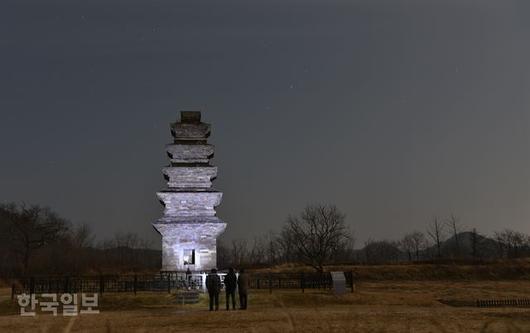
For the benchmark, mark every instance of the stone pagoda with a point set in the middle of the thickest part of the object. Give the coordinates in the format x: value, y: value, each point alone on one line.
x: 189, y: 227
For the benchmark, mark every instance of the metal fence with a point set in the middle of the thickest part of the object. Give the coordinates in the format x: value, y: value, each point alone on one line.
x: 488, y: 303
x: 166, y: 281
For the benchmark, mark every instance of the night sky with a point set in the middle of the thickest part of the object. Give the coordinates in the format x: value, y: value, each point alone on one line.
x: 395, y: 111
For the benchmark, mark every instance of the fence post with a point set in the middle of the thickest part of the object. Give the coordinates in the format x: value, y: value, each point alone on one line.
x: 134, y: 286
x: 302, y: 282
x: 352, y: 283
x: 101, y: 284
x: 12, y: 291
x: 31, y: 285
x: 66, y: 288
x: 257, y: 284
x: 169, y: 283
x: 270, y: 283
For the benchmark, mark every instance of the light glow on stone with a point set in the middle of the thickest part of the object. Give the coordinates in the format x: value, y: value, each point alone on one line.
x: 189, y: 221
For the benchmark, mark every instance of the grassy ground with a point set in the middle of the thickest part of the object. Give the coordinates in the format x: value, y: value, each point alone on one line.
x: 383, y: 306
x: 513, y: 269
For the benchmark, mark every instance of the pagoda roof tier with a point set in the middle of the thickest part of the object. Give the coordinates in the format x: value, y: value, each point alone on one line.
x: 189, y: 220
x: 186, y: 153
x: 197, y: 190
x: 190, y: 177
x: 181, y: 233
x: 190, y: 190
x: 190, y: 203
x: 190, y: 127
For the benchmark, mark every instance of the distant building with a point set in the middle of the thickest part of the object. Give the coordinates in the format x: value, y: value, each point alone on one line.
x: 189, y: 227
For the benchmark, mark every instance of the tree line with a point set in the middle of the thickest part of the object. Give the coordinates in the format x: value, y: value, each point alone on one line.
x: 36, y: 240
x: 318, y: 236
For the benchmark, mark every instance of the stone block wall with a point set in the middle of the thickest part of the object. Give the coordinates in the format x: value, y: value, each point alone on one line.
x: 189, y: 226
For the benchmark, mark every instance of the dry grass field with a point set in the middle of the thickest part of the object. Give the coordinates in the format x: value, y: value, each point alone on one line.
x: 382, y: 306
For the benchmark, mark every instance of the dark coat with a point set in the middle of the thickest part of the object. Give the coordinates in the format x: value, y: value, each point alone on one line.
x: 230, y: 282
x: 213, y: 283
x: 243, y: 283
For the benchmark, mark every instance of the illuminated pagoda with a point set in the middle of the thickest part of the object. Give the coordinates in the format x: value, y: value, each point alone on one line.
x: 189, y: 226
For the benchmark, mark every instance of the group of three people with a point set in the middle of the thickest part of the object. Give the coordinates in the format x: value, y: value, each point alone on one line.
x: 231, y: 282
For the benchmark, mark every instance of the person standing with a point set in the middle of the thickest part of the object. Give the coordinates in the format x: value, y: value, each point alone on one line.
x: 213, y: 284
x: 242, y: 286
x: 230, y: 288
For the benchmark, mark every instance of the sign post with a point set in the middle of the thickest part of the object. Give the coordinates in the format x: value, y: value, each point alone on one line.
x: 339, y: 283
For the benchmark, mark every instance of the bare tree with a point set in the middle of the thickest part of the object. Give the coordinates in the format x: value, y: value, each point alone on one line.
x: 31, y: 228
x: 239, y: 252
x: 285, y: 246
x: 419, y: 243
x: 272, y: 244
x: 127, y: 252
x: 258, y: 252
x: 453, y: 224
x: 406, y: 245
x: 346, y: 253
x: 126, y: 240
x: 436, y: 233
x: 317, y: 234
x: 78, y: 247
x: 382, y: 251
x: 474, y: 244
x: 82, y: 236
x: 513, y: 244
